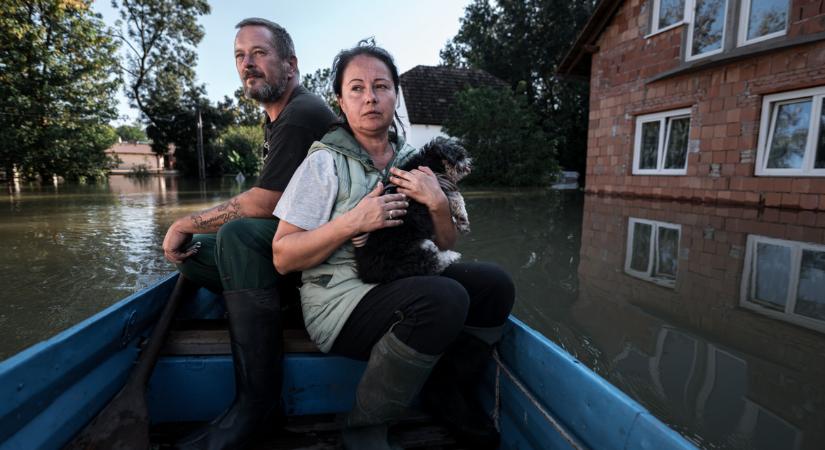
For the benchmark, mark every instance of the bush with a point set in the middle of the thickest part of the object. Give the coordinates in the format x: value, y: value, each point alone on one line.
x: 504, y: 137
x: 241, y: 147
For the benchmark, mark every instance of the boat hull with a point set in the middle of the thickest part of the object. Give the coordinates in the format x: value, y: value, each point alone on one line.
x: 539, y: 395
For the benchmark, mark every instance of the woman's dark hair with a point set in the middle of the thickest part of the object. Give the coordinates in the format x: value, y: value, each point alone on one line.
x: 365, y: 47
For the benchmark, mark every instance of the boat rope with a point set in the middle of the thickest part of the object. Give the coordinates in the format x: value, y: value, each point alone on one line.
x: 561, y: 429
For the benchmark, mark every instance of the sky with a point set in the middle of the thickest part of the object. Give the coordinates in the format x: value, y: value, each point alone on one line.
x: 413, y: 31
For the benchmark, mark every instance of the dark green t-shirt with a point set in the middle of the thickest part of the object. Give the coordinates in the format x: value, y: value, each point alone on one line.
x: 305, y: 120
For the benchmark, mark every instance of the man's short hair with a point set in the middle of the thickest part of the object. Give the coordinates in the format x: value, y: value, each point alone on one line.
x: 281, y: 40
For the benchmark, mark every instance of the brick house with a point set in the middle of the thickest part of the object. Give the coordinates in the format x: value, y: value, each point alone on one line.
x: 132, y: 156
x: 428, y: 92
x: 708, y: 100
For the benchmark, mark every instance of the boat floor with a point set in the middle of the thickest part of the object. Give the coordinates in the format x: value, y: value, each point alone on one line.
x: 323, y: 432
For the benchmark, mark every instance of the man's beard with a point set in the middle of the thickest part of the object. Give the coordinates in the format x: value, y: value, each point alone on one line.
x: 266, y: 92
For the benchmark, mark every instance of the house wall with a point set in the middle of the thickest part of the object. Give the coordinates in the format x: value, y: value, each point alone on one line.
x: 419, y: 135
x: 133, y: 155
x: 134, y: 160
x: 706, y: 296
x: 725, y: 102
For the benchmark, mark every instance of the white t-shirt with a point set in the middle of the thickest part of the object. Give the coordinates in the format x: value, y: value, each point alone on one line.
x: 308, y: 200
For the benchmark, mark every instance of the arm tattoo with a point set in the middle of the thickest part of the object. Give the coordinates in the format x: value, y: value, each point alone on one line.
x: 217, y: 216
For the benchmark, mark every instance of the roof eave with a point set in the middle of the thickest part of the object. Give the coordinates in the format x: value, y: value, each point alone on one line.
x: 577, y: 61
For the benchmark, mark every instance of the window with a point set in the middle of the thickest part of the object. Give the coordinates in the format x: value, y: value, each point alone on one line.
x: 667, y: 14
x: 785, y: 280
x: 706, y: 32
x: 653, y: 251
x: 759, y: 20
x: 661, y: 143
x: 762, y: 19
x: 792, y: 134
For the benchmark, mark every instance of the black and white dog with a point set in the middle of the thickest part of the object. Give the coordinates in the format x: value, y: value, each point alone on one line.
x: 408, y: 250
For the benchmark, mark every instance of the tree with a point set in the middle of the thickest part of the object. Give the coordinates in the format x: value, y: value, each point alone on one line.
x: 131, y: 133
x: 160, y: 38
x: 177, y: 124
x: 522, y: 42
x: 241, y: 147
x: 320, y: 84
x: 245, y: 112
x: 503, y: 136
x: 60, y: 94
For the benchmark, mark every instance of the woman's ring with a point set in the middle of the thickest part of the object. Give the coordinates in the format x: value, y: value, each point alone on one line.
x: 391, y: 211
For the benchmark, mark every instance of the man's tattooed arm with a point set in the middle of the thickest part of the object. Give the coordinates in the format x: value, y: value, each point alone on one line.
x: 212, y: 219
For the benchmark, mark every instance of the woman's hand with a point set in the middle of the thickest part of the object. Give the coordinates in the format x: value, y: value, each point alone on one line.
x: 420, y: 185
x: 376, y: 211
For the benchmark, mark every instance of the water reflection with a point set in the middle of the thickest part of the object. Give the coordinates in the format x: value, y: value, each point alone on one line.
x: 708, y: 316
x: 70, y: 251
x: 725, y: 350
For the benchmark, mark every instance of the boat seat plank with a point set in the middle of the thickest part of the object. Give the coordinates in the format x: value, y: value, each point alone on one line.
x: 216, y: 342
x: 323, y: 432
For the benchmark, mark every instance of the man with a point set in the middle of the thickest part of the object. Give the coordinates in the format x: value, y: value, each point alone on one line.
x: 231, y: 244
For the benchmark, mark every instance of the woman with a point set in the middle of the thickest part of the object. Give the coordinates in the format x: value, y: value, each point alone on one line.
x: 405, y: 326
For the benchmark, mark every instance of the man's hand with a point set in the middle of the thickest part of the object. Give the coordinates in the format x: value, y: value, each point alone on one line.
x: 255, y: 202
x: 174, y: 245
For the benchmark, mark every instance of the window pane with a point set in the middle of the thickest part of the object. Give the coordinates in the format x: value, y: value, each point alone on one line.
x: 773, y: 265
x: 677, y: 143
x: 708, y: 25
x: 667, y: 253
x: 650, y: 145
x: 819, y: 163
x: 670, y: 12
x: 787, y: 148
x: 810, y: 296
x: 640, y: 258
x: 766, y: 17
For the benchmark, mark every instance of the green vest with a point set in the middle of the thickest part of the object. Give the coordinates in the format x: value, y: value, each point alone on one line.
x: 332, y: 289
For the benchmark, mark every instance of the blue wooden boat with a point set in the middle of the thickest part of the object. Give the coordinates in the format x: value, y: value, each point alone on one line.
x: 540, y: 396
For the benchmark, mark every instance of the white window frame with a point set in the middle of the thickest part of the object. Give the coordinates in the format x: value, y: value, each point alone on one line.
x: 664, y: 135
x: 654, y: 22
x: 653, y: 260
x: 689, y: 56
x: 767, y: 122
x: 749, y: 281
x: 744, y: 16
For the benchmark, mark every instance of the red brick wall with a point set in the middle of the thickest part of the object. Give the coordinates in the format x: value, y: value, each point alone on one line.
x: 726, y: 104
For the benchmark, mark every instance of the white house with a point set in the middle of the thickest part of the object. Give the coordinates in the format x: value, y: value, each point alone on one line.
x: 428, y: 92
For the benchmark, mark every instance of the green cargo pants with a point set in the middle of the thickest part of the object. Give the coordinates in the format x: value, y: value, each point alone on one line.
x: 238, y: 256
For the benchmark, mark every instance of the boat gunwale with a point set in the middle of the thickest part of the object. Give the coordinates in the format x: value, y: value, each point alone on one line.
x: 34, y: 377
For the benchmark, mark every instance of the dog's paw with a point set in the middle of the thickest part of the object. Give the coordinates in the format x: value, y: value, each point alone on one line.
x: 441, y: 258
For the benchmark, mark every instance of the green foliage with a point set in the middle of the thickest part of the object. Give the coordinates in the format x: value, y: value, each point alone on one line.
x: 131, y: 133
x: 139, y: 171
x: 503, y: 136
x: 243, y: 110
x: 161, y: 37
x: 320, y: 84
x: 177, y: 125
x: 56, y: 89
x: 241, y: 145
x: 522, y: 42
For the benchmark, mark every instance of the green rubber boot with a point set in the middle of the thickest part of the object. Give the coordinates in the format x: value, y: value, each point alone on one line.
x: 393, y: 377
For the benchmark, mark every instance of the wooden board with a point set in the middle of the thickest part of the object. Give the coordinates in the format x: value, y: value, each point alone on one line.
x: 323, y: 432
x: 216, y: 342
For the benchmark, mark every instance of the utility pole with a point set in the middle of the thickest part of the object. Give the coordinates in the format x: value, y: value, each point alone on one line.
x: 201, y: 163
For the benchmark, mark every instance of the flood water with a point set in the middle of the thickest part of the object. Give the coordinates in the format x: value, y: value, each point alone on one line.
x: 711, y: 317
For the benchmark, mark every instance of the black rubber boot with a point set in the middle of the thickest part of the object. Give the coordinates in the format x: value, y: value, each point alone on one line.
x: 393, y: 377
x: 450, y: 394
x: 257, y: 353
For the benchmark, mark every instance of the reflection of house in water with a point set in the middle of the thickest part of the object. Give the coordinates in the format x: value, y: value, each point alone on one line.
x: 715, y: 316
x: 786, y: 280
